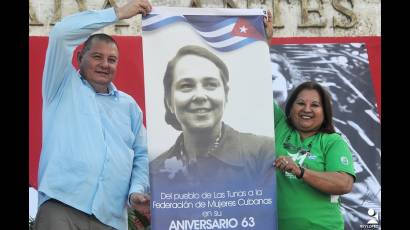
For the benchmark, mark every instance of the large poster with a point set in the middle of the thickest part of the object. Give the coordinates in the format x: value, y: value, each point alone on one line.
x: 344, y: 70
x: 209, y: 117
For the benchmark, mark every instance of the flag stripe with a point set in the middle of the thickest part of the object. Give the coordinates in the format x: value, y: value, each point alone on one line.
x: 219, y: 38
x: 235, y: 46
x: 164, y: 21
x: 150, y: 19
x: 219, y: 32
x: 210, y: 25
x: 226, y: 42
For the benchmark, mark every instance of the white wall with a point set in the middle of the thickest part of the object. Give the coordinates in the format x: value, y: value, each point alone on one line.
x: 367, y: 13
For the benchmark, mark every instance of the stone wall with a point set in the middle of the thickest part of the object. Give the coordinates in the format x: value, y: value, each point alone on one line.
x: 292, y: 18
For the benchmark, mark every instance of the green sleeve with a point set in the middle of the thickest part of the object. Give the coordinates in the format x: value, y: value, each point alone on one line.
x: 278, y: 113
x: 338, y: 156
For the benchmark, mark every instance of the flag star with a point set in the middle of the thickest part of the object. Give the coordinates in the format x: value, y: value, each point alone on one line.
x: 243, y: 29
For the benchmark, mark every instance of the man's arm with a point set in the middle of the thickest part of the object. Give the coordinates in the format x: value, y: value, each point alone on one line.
x: 139, y: 176
x: 71, y: 32
x: 133, y: 8
x: 64, y: 38
x: 138, y: 197
x: 139, y: 184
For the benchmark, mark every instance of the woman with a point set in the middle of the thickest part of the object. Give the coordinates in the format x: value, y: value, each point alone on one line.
x: 208, y: 151
x: 315, y: 164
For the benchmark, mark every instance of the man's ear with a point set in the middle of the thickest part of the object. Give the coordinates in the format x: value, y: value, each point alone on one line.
x: 79, y: 57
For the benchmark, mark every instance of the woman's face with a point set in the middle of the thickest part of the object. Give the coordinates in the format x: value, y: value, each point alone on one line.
x: 197, y: 93
x: 307, y: 112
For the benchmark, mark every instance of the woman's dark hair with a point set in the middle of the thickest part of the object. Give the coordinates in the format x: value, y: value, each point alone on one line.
x: 327, y: 125
x: 170, y: 118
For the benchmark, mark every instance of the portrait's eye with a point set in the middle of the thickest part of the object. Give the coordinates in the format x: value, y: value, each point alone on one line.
x: 185, y: 86
x: 211, y: 85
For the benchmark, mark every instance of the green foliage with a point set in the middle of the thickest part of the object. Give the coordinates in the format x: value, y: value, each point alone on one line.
x: 138, y: 221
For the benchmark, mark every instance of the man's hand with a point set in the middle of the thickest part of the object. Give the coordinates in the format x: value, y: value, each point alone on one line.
x: 141, y: 202
x: 268, y: 23
x: 132, y: 8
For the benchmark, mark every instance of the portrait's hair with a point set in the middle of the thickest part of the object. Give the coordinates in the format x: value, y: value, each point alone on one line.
x: 327, y: 125
x: 95, y: 37
x: 289, y: 71
x: 170, y: 118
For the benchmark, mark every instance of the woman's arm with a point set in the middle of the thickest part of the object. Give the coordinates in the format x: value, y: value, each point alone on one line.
x: 338, y: 175
x: 334, y: 183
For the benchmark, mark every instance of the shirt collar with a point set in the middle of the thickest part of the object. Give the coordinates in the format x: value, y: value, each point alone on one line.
x: 228, y: 150
x: 112, y: 90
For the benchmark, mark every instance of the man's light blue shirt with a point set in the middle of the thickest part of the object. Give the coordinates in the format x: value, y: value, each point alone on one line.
x: 94, y: 152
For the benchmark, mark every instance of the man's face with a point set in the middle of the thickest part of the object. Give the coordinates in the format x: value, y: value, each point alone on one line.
x: 198, y: 96
x: 99, y: 64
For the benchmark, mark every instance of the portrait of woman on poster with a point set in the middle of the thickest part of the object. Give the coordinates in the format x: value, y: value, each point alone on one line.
x: 207, y: 151
x: 314, y: 162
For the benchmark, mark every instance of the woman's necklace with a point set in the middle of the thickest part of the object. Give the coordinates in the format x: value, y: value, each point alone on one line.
x: 297, y: 149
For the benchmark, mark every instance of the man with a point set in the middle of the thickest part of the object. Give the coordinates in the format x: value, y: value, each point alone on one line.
x: 94, y: 156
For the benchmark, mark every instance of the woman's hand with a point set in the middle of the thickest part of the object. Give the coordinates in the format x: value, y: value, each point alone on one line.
x: 268, y: 23
x: 288, y: 165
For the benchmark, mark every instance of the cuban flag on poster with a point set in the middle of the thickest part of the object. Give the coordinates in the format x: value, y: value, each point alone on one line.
x: 235, y: 29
